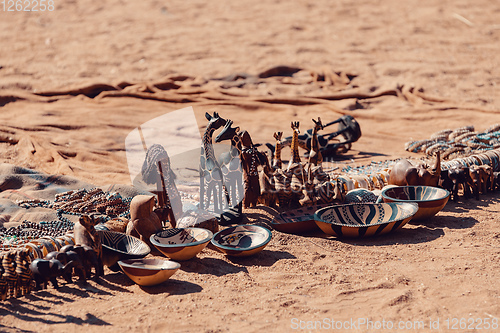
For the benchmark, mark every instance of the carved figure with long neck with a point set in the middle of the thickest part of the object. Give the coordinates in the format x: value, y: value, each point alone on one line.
x: 211, y: 178
x: 294, y: 145
x: 277, y: 163
x: 315, y: 157
x: 231, y: 165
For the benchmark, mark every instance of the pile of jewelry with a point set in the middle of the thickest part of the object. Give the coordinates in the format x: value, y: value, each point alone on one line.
x: 104, y: 206
x: 460, y: 142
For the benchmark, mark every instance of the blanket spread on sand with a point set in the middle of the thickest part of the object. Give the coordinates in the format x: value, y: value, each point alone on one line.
x: 17, y: 183
x: 80, y: 131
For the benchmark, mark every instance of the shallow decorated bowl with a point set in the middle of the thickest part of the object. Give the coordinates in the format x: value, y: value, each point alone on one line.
x: 368, y: 219
x: 430, y: 199
x: 148, y: 272
x: 118, y: 246
x: 181, y: 243
x: 242, y: 240
x: 297, y: 221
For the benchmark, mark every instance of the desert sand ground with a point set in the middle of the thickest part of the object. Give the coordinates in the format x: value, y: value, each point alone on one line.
x: 76, y: 80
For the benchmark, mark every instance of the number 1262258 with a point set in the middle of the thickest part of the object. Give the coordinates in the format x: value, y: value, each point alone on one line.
x: 27, y: 5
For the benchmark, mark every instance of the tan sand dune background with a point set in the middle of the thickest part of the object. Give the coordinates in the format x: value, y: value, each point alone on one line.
x: 76, y: 80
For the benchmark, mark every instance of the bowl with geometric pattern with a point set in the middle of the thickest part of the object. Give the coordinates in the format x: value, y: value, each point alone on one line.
x: 430, y: 199
x: 242, y: 240
x: 181, y: 243
x: 118, y: 246
x: 367, y: 219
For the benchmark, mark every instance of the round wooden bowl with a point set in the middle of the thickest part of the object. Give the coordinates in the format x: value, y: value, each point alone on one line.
x: 118, y: 246
x: 368, y: 219
x: 148, y: 272
x: 242, y: 240
x: 430, y: 199
x: 181, y: 243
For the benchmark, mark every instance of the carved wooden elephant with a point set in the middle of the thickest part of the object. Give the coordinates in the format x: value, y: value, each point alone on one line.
x: 63, y: 258
x: 47, y: 270
x: 92, y: 260
x: 460, y: 176
x: 406, y: 172
x: 75, y: 255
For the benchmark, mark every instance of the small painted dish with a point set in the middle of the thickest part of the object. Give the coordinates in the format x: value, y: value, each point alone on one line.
x: 148, y: 272
x: 181, y: 243
x: 368, y: 219
x: 242, y: 240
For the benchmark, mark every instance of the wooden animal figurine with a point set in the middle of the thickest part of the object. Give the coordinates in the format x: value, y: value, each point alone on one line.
x: 315, y: 156
x: 10, y: 274
x: 85, y: 234
x: 445, y: 181
x: 63, y: 258
x: 47, y: 270
x: 156, y: 170
x: 23, y: 272
x: 143, y: 221
x: 480, y: 176
x: 250, y: 160
x: 231, y: 164
x: 277, y: 162
x: 268, y: 195
x: 460, y: 177
x: 211, y: 177
x: 3, y: 282
x: 92, y: 260
x: 75, y: 256
x: 295, y: 170
x: 348, y: 128
x: 406, y: 172
x: 308, y: 190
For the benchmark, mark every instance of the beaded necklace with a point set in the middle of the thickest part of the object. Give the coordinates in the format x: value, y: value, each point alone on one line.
x: 103, y: 205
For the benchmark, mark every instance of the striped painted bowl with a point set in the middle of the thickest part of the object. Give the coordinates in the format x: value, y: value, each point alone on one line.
x: 430, y: 199
x: 242, y: 240
x: 119, y: 246
x: 368, y: 219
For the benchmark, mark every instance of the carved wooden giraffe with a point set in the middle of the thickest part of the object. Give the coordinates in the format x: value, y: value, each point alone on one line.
x: 268, y: 196
x: 294, y: 146
x: 211, y: 178
x: 231, y: 165
x: 348, y: 128
x: 277, y: 163
x: 315, y: 156
x: 295, y: 170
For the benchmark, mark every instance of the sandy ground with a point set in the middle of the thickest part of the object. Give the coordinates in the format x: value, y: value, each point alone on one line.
x: 436, y: 61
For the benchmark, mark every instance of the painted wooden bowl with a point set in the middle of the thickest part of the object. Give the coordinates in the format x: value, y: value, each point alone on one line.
x: 118, y: 246
x: 149, y: 272
x: 242, y: 240
x: 298, y: 220
x: 430, y: 199
x: 368, y: 219
x: 181, y: 243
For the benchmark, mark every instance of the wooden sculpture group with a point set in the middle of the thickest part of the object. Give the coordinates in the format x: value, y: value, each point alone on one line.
x: 242, y: 177
x: 245, y: 175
